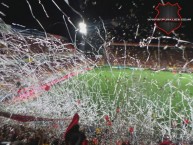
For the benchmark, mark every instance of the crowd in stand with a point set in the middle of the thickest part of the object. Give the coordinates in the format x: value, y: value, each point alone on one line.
x: 22, y: 135
x: 174, y: 59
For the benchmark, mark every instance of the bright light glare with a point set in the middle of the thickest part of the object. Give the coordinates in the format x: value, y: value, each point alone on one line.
x: 82, y: 28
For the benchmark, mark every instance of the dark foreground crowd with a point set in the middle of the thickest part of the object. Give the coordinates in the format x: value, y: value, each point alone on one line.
x: 22, y: 135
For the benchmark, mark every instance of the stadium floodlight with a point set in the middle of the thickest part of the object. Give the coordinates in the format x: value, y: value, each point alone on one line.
x: 82, y: 28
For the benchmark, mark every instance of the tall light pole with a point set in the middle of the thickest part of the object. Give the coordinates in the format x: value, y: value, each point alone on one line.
x: 82, y: 28
x: 83, y: 31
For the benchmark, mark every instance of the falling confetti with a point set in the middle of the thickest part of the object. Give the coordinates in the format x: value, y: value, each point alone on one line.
x: 44, y: 77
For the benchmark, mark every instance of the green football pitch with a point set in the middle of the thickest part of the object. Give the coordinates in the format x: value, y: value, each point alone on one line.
x: 111, y: 82
x: 141, y: 88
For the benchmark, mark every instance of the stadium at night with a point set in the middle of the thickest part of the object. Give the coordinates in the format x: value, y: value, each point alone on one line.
x: 96, y: 72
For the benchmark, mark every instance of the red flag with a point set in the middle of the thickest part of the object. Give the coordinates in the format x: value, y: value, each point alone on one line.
x: 73, y: 123
x: 131, y: 130
x: 107, y: 118
x: 166, y: 142
x: 186, y: 121
x: 85, y: 142
x: 47, y: 88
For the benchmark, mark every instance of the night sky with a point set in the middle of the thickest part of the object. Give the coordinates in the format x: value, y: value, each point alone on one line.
x: 121, y: 16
